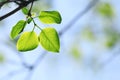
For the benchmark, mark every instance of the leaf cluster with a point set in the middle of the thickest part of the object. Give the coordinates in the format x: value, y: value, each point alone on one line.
x: 48, y: 37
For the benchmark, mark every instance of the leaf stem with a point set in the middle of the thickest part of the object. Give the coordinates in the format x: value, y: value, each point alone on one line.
x: 29, y: 13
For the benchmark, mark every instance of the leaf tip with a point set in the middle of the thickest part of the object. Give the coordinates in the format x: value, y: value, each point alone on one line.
x: 57, y: 51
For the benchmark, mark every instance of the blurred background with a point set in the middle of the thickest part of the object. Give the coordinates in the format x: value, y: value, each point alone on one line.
x: 90, y: 49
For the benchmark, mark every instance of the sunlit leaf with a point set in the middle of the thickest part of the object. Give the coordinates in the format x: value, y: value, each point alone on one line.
x: 27, y: 41
x: 18, y: 28
x: 50, y: 17
x: 25, y: 11
x: 49, y: 39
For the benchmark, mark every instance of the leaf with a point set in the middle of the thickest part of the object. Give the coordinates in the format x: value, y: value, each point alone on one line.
x: 29, y: 20
x: 18, y: 28
x: 105, y: 9
x: 50, y: 17
x: 25, y: 11
x: 28, y: 41
x: 49, y: 39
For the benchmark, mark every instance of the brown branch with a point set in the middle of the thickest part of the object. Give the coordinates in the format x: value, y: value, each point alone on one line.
x: 23, y: 4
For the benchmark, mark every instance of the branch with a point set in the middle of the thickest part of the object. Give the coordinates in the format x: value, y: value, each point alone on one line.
x: 21, y: 5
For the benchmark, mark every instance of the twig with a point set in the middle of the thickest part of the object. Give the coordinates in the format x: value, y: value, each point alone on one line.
x: 23, y: 4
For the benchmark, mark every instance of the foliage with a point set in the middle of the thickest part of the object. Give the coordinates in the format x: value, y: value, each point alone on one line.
x: 48, y: 37
x: 2, y: 58
x: 105, y: 9
x: 27, y: 41
x: 50, y: 17
x: 18, y: 28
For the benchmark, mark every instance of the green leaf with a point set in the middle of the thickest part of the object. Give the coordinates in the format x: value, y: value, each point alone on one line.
x: 25, y: 11
x: 29, y: 20
x: 49, y: 39
x: 105, y: 9
x: 50, y: 17
x: 18, y: 28
x: 28, y: 41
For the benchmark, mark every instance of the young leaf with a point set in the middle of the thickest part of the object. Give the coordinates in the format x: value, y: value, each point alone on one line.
x: 29, y: 20
x: 28, y: 41
x: 18, y: 28
x: 25, y: 11
x: 50, y: 17
x: 49, y: 39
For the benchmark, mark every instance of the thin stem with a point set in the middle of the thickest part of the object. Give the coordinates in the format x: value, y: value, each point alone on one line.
x: 35, y: 25
x: 39, y: 27
x: 29, y: 13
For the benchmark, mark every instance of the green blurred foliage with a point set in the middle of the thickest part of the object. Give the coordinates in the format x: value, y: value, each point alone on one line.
x: 105, y: 9
x: 75, y: 52
x: 87, y: 33
x: 2, y: 58
x: 100, y: 34
x: 112, y: 37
